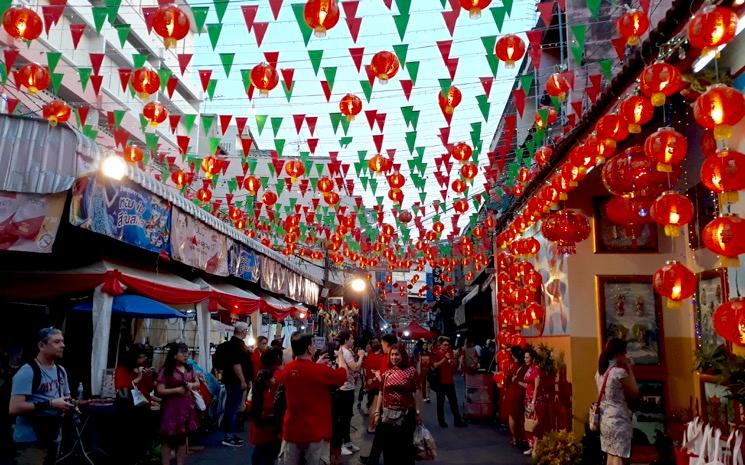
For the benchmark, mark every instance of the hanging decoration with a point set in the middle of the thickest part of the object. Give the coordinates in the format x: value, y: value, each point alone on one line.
x: 264, y: 77
x: 719, y: 108
x: 725, y: 236
x: 171, y: 24
x: 145, y: 82
x: 321, y: 15
x: 510, y: 49
x: 566, y: 228
x: 632, y: 25
x: 729, y: 320
x: 712, y: 27
x: 659, y: 81
x: 474, y: 7
x: 675, y: 282
x: 155, y: 113
x: 33, y: 77
x: 449, y: 104
x: 23, y: 23
x: 672, y: 211
x: 722, y: 173
x: 636, y: 111
x: 667, y: 147
x: 56, y: 111
x: 384, y: 66
x: 350, y: 106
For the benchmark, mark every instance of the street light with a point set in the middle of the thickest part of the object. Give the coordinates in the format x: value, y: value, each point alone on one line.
x: 114, y: 167
x: 358, y: 285
x: 407, y: 333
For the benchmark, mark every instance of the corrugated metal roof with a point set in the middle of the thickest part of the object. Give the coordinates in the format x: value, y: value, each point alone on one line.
x: 40, y: 159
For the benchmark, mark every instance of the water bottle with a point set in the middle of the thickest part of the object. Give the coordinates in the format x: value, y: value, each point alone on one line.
x: 80, y: 391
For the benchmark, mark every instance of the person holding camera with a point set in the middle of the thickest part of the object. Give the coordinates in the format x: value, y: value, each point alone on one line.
x: 39, y: 397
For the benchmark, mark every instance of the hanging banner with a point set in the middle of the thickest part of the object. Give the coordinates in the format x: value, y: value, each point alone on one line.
x: 122, y: 211
x: 196, y: 244
x: 29, y: 222
x: 244, y: 263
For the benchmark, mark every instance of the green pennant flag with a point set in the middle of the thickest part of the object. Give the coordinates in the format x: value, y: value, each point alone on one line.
x: 319, y: 168
x: 411, y: 116
x: 214, y: 31
x: 445, y: 85
x: 404, y: 6
x: 345, y: 125
x: 313, y: 184
x: 52, y: 60
x: 252, y: 164
x: 373, y: 185
x: 89, y: 132
x: 413, y: 69
x: 330, y: 74
x: 227, y: 62
x: 401, y: 50
x: 99, y: 16
x: 489, y: 43
x: 246, y: 77
x: 4, y: 5
x: 207, y: 122
x: 3, y: 72
x: 118, y: 117
x: 344, y: 142
x: 543, y: 114
x: 139, y: 60
x: 214, y: 145
x: 56, y: 79
x: 85, y: 75
x: 402, y: 22
x: 188, y: 121
x: 423, y: 197
x: 279, y: 146
x: 539, y: 137
x: 112, y: 9
x: 361, y: 155
x: 508, y: 6
x: 335, y: 120
x: 606, y: 66
x: 358, y: 170
x: 260, y: 122
x: 315, y: 59
x: 232, y: 185
x: 493, y: 62
x: 577, y: 52
x: 594, y: 7
x: 411, y: 140
x: 526, y: 82
x: 280, y: 186
x: 580, y: 31
x: 366, y: 89
x: 498, y: 12
x: 288, y: 92
x: 151, y: 140
x: 164, y: 74
x: 556, y: 103
x: 530, y: 145
x: 122, y: 30
x: 276, y: 123
x: 211, y: 86
x: 299, y: 10
x: 200, y: 16
x: 220, y: 7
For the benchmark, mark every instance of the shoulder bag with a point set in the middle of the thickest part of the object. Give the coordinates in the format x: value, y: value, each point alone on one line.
x: 390, y: 416
x: 595, y: 414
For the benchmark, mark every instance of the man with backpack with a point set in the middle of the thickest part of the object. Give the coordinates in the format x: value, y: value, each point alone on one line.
x: 234, y: 360
x: 39, y: 396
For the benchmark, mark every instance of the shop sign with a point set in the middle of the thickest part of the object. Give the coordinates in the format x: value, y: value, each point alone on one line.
x: 244, y: 263
x: 123, y: 211
x: 29, y: 222
x: 197, y: 244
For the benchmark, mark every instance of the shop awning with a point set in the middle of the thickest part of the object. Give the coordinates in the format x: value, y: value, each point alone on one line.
x: 135, y: 306
x: 417, y: 331
x: 231, y: 298
x: 280, y: 308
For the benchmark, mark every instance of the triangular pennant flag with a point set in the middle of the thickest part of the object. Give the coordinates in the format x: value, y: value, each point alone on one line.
x: 546, y: 10
x: 619, y: 44
x: 402, y: 22
x: 220, y: 7
x: 207, y: 122
x: 275, y: 6
x: 99, y: 17
x: 139, y: 59
x: 357, y: 54
x: 260, y: 122
x: 52, y: 60
x: 85, y: 74
x: 366, y: 89
x: 183, y: 61
x: 96, y: 61
x: 173, y: 120
x: 214, y: 31
x: 124, y: 76
x: 279, y: 146
x: 401, y: 51
x: 183, y: 144
x: 489, y: 44
x: 240, y: 123
x: 171, y: 86
x: 498, y: 13
x: 189, y: 122
x: 404, y: 6
x: 335, y: 120
x: 486, y: 83
x: 112, y: 8
x: 606, y: 66
x: 164, y: 74
x: 452, y: 65
x: 96, y: 81
x: 246, y: 143
x: 122, y: 30
x: 315, y: 59
x: 450, y: 17
x: 200, y: 17
x: 276, y: 124
x: 249, y: 15
x: 519, y: 95
x: 330, y: 74
x: 406, y: 86
x: 354, y: 25
x: 306, y: 31
x: 224, y: 123
x: 311, y: 122
x: 594, y: 7
x: 326, y: 90
x: 56, y: 79
x: 227, y: 62
x: 493, y: 64
x: 260, y: 29
x: 298, y: 119
x: 413, y: 68
x: 526, y: 82
x: 204, y: 78
x: 76, y: 31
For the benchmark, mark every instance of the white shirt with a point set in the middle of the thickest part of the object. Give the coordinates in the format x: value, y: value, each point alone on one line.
x: 348, y: 358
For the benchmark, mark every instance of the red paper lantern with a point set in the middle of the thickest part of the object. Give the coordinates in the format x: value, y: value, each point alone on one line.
x: 405, y: 217
x: 321, y: 15
x: 33, y: 77
x: 22, y: 23
x: 557, y: 86
x: 629, y: 213
x: 632, y: 173
x: 729, y: 320
x: 510, y: 49
x: 145, y: 82
x: 155, y: 113
x: 180, y: 178
x: 583, y: 157
x: 674, y: 281
x: 396, y: 181
x: 474, y: 7
x: 600, y: 146
x: 543, y: 155
x: 533, y: 280
x: 252, y: 184
x: 459, y: 186
x: 462, y: 152
x: 56, y: 111
x: 551, y: 117
x: 632, y: 25
x: 325, y: 185
x: 725, y: 236
x: 571, y: 174
x: 350, y: 106
x: 667, y: 147
x: 724, y: 173
x: 549, y: 195
x: 711, y: 27
x: 659, y: 81
x: 460, y: 206
x: 171, y: 23
x: 636, y: 111
x: 719, y: 108
x: 672, y: 210
x: 469, y: 171
x: 490, y: 222
x: 612, y: 128
x: 264, y: 77
x: 204, y: 194
x: 379, y: 163
x: 453, y: 99
x: 523, y: 174
x: 566, y: 228
x: 384, y: 66
x: 438, y: 227
x: 708, y: 143
x: 269, y: 198
x: 396, y: 195
x: 294, y: 169
x: 211, y: 166
x: 133, y: 154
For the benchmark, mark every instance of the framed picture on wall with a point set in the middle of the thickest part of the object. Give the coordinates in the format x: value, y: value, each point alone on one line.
x: 710, y: 294
x: 705, y: 209
x: 629, y: 309
x: 613, y: 238
x: 715, y: 405
x: 649, y: 414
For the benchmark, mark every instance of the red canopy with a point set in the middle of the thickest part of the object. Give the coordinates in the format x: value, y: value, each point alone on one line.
x: 417, y: 331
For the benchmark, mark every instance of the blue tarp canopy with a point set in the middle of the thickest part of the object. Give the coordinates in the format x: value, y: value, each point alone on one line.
x: 135, y: 306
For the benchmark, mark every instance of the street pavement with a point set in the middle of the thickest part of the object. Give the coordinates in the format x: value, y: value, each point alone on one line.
x: 480, y: 443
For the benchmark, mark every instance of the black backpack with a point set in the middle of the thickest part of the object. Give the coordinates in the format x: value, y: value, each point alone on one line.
x: 220, y: 357
x: 36, y: 379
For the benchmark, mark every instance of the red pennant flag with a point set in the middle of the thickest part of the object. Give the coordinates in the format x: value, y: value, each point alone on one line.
x: 350, y: 8
x: 562, y: 4
x: 380, y: 118
x: 535, y: 56
x: 183, y: 144
x: 240, y: 123
x: 109, y: 119
x: 370, y: 114
x: 535, y: 37
x: 569, y: 75
x: 452, y: 66
x: 54, y: 10
x: 96, y: 60
x: 391, y: 154
x: 83, y: 113
x: 183, y: 61
x: 275, y: 5
x: 76, y: 31
x: 571, y: 121
x: 171, y: 85
x: 445, y: 135
x: 577, y: 106
x: 546, y: 10
x: 448, y: 117
x: 334, y: 156
x: 326, y: 90
x: 173, y: 120
x: 204, y: 77
x: 354, y: 25
x: 298, y: 122
x: 378, y: 140
x: 250, y: 92
x: 312, y: 144
x: 121, y: 136
x: 388, y: 3
x: 244, y: 167
x: 370, y: 75
x: 311, y: 122
x: 345, y: 169
x: 451, y: 17
x: 406, y: 85
x: 486, y: 83
x: 225, y: 122
x: 249, y: 15
x: 303, y: 189
x: 96, y: 81
x: 596, y: 80
x: 10, y: 58
x: 272, y: 58
x: 519, y: 95
x: 592, y: 93
x: 357, y: 54
x: 619, y: 44
x: 445, y: 46
x: 287, y: 76
x: 260, y: 31
x: 148, y: 14
x: 246, y: 143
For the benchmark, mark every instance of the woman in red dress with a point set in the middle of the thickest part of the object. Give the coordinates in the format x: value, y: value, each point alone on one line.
x: 531, y: 382
x: 514, y: 398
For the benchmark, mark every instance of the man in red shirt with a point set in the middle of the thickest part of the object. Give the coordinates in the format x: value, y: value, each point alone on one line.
x: 445, y: 363
x: 306, y: 429
x: 262, y: 344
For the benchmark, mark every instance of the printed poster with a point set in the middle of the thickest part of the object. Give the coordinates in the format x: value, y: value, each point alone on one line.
x: 244, y: 263
x: 196, y: 244
x: 122, y: 211
x: 29, y: 222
